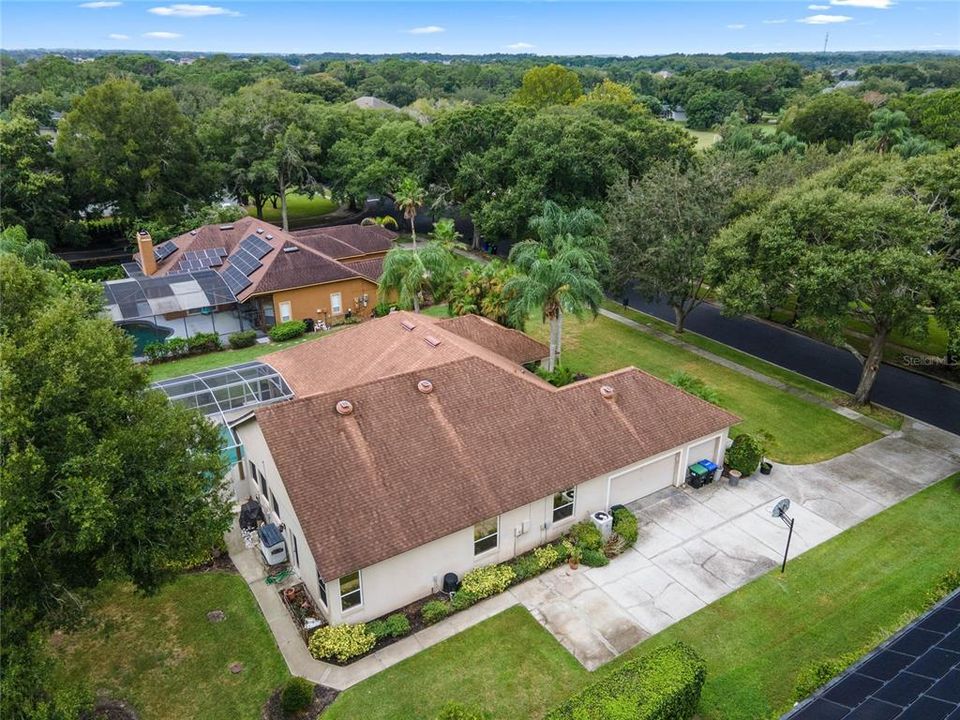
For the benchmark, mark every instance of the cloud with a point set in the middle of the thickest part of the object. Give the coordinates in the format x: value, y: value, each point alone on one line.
x: 426, y: 30
x: 736, y: 26
x: 161, y: 35
x: 520, y: 46
x: 118, y: 36
x: 774, y: 22
x: 876, y: 4
x: 100, y: 4
x: 191, y: 11
x: 825, y: 19
x: 818, y: 7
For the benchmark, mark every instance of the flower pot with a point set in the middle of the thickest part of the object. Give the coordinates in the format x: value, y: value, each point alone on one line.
x: 766, y: 467
x: 735, y: 476
x: 574, y: 564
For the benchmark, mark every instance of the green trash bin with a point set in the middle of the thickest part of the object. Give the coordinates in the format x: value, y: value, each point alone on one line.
x: 697, y: 475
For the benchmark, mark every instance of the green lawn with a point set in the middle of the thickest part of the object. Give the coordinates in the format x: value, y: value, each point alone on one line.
x: 704, y: 138
x: 301, y: 209
x: 836, y: 598
x: 801, y: 382
x: 210, y: 361
x: 508, y: 665
x: 160, y: 653
x: 802, y: 432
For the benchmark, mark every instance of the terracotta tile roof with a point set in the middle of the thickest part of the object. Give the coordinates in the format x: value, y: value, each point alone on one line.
x: 342, y: 241
x: 405, y: 467
x: 511, y: 344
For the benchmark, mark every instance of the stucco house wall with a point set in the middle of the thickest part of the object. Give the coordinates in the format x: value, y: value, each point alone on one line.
x: 305, y: 302
x: 409, y: 576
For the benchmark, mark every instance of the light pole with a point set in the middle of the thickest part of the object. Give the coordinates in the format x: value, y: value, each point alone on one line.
x: 780, y: 511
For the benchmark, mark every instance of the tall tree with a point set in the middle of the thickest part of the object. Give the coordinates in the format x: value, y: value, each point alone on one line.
x: 661, y: 226
x: 889, y: 128
x: 410, y: 197
x: 558, y: 272
x: 840, y: 253
x: 832, y: 118
x: 102, y: 477
x: 131, y: 148
x: 480, y: 290
x: 549, y: 85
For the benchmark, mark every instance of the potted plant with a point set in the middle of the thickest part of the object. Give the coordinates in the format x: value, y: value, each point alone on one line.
x: 765, y: 467
x: 575, y: 555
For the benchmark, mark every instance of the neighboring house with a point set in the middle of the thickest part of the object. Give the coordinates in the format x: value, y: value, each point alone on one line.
x: 416, y: 447
x: 663, y: 74
x: 270, y: 276
x: 369, y: 102
x: 843, y: 85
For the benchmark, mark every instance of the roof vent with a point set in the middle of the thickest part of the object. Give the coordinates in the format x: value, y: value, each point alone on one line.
x: 259, y: 231
x: 607, y: 392
x: 344, y: 407
x: 425, y: 386
x: 431, y: 341
x: 407, y: 325
x: 290, y: 249
x: 226, y: 227
x: 193, y: 232
x: 269, y: 236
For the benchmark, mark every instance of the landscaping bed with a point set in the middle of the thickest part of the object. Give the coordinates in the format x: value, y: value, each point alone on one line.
x: 323, y: 697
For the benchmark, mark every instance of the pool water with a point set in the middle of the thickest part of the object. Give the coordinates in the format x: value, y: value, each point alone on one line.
x: 144, y: 333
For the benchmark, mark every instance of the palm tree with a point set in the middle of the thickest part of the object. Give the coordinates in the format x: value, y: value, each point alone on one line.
x: 890, y: 128
x: 410, y: 273
x: 410, y: 197
x: 564, y: 281
x: 382, y: 221
x: 445, y: 232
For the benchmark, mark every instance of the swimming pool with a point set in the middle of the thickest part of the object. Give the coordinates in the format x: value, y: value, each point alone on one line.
x: 144, y: 333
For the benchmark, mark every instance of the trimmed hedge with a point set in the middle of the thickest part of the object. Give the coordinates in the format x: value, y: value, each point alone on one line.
x: 242, y: 339
x: 288, y: 330
x: 664, y: 685
x: 485, y: 581
x: 343, y: 642
x: 625, y: 525
x: 744, y: 454
x: 177, y: 347
x: 296, y: 696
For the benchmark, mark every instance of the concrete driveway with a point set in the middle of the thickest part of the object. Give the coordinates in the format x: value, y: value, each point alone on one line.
x: 696, y: 546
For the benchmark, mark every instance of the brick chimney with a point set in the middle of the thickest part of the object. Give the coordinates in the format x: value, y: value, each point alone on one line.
x: 148, y: 263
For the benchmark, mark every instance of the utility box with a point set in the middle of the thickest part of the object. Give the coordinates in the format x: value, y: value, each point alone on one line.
x: 604, y: 523
x: 272, y: 546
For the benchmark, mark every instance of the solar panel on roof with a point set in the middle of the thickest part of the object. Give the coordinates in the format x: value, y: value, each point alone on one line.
x: 188, y: 264
x: 244, y: 261
x: 164, y: 250
x: 235, y: 279
x: 255, y: 246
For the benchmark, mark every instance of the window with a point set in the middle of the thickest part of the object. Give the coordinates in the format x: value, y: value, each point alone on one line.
x: 322, y: 586
x: 485, y: 535
x: 263, y: 479
x: 350, y: 594
x: 336, y: 307
x: 276, y: 508
x: 286, y: 313
x: 296, y: 551
x: 563, y: 505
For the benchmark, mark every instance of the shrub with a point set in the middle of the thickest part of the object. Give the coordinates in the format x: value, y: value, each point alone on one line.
x: 457, y: 711
x: 382, y: 309
x: 586, y: 535
x: 296, y: 696
x: 593, y: 558
x: 664, y: 685
x: 615, y: 545
x: 564, y: 548
x: 485, y: 581
x: 625, y: 525
x: 559, y: 377
x: 525, y: 567
x: 155, y: 351
x: 462, y: 599
x: 817, y: 674
x: 177, y: 346
x: 242, y: 339
x: 343, y: 642
x: 435, y: 611
x: 547, y: 557
x: 945, y: 585
x: 99, y: 274
x: 204, y: 343
x: 288, y: 330
x: 396, y: 625
x: 694, y: 386
x: 744, y: 454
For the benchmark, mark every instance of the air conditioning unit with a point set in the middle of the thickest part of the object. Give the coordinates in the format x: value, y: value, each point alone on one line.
x: 273, y: 548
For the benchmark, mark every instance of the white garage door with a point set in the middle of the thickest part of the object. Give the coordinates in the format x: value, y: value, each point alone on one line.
x: 706, y: 450
x: 644, y: 480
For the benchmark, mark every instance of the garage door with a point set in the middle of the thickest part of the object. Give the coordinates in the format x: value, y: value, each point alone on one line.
x: 706, y: 450
x: 644, y: 480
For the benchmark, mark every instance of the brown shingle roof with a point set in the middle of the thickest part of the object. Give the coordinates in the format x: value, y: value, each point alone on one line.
x: 298, y: 268
x: 511, y: 344
x: 342, y: 241
x: 371, y: 269
x: 406, y: 468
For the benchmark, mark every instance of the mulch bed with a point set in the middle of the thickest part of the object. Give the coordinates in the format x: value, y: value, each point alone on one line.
x: 108, y: 709
x: 219, y: 562
x: 323, y: 696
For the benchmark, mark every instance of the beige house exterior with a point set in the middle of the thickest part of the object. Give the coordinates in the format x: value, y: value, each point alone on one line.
x: 385, y: 472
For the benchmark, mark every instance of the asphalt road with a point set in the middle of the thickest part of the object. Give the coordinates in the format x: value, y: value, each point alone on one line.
x: 916, y: 395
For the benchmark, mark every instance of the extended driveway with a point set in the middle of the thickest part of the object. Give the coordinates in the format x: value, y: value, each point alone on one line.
x: 697, y: 545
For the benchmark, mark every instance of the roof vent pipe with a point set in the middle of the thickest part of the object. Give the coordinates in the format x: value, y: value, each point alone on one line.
x: 607, y: 392
x: 425, y: 386
x: 344, y: 407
